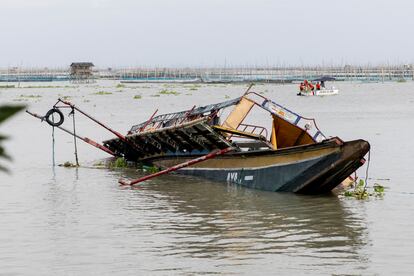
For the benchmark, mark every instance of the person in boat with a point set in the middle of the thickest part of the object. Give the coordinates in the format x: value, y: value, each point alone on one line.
x: 318, y: 86
x: 322, y: 84
x: 311, y: 87
x: 305, y: 85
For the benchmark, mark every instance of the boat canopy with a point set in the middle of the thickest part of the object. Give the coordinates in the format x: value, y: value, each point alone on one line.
x: 325, y: 78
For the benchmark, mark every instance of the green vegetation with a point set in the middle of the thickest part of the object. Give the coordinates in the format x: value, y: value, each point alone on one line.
x: 194, y: 87
x: 6, y: 112
x: 401, y: 80
x: 150, y: 169
x: 155, y: 95
x: 7, y: 86
x: 227, y: 97
x: 30, y: 96
x: 168, y: 92
x: 120, y: 85
x: 99, y: 164
x: 103, y: 93
x: 68, y: 164
x: 46, y: 86
x: 120, y: 162
x: 137, y: 97
x: 360, y: 191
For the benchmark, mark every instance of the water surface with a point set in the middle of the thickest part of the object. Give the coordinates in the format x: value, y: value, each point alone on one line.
x: 80, y: 222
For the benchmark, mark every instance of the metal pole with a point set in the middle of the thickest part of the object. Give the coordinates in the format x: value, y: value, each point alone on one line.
x: 85, y: 139
x: 74, y: 138
x: 117, y: 134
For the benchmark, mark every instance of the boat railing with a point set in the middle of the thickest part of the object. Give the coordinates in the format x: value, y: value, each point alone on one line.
x: 181, y: 117
x: 307, y: 124
x: 253, y: 129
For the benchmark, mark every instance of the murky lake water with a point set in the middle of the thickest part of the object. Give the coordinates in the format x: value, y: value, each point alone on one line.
x: 80, y: 222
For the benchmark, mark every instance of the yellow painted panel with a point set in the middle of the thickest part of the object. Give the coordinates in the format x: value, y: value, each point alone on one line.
x: 289, y: 135
x: 238, y: 114
x: 273, y: 138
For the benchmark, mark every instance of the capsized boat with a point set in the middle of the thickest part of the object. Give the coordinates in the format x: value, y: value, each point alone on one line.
x: 323, y: 91
x: 293, y: 156
x: 288, y: 153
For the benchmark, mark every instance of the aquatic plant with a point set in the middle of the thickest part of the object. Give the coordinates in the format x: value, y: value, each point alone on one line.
x: 137, y: 97
x: 155, y: 95
x: 7, y: 86
x: 30, y: 96
x: 360, y: 191
x: 42, y: 86
x: 102, y: 93
x: 401, y: 80
x: 227, y: 97
x: 99, y: 164
x: 120, y: 85
x: 68, y: 164
x: 120, y: 162
x: 6, y: 111
x: 194, y: 87
x: 150, y: 169
x: 168, y: 92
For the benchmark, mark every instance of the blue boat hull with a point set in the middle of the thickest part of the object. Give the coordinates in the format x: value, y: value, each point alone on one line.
x: 310, y: 169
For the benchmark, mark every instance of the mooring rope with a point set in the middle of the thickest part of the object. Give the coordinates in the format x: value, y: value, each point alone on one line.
x: 53, y: 143
x: 366, y: 172
x: 74, y: 136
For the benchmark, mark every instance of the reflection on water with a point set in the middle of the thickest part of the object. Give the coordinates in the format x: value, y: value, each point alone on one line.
x: 220, y: 221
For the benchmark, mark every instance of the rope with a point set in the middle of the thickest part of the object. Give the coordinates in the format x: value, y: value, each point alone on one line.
x: 74, y: 136
x: 366, y: 173
x: 53, y: 143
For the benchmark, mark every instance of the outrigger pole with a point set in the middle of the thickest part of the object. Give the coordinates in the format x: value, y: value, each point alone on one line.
x: 117, y: 134
x: 211, y: 155
x: 85, y: 139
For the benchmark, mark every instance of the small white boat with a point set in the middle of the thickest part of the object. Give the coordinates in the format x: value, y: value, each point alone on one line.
x: 323, y: 91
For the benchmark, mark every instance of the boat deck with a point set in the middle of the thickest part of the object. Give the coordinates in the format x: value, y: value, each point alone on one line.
x: 196, y: 136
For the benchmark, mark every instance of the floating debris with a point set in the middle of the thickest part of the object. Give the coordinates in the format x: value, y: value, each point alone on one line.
x: 168, y: 92
x: 102, y: 93
x: 360, y: 191
x: 68, y: 164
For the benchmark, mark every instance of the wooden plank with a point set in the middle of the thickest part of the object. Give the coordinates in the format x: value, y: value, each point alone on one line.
x: 192, y: 140
x: 240, y: 133
x: 163, y: 143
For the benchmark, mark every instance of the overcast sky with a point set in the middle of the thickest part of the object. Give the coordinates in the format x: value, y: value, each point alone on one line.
x: 205, y: 32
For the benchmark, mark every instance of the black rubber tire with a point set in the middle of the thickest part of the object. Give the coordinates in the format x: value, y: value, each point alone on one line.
x: 50, y: 122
